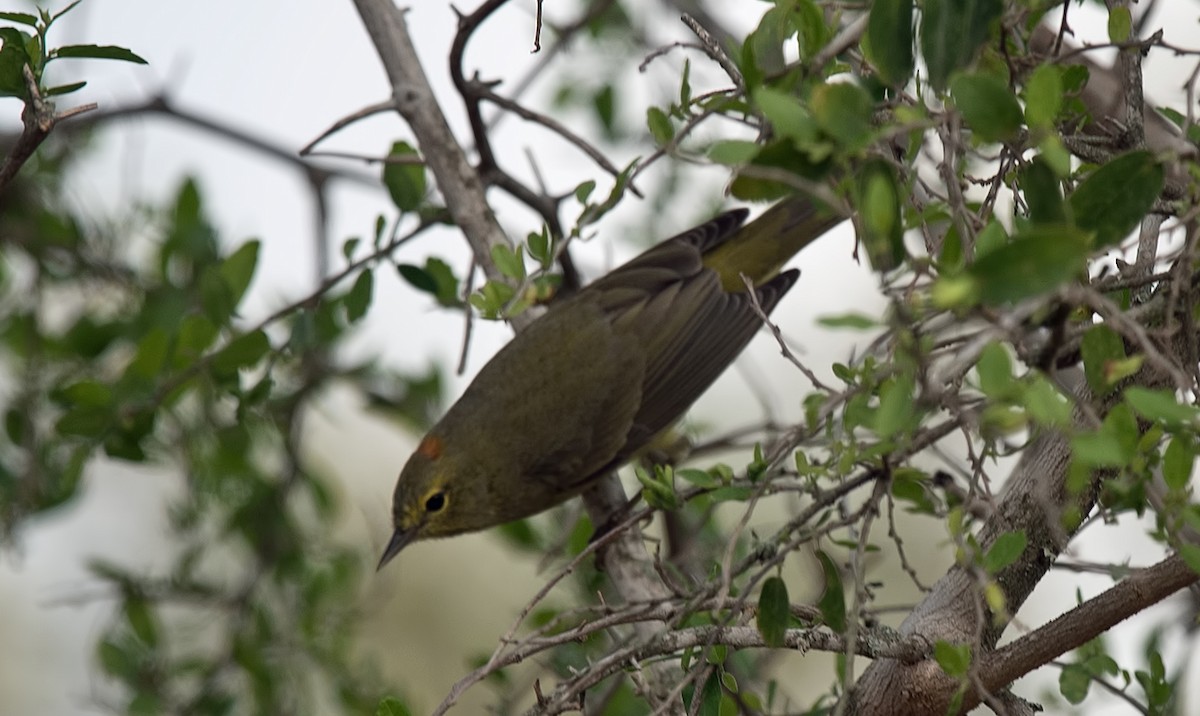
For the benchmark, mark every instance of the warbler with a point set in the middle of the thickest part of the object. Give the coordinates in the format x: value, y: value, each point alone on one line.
x: 599, y: 375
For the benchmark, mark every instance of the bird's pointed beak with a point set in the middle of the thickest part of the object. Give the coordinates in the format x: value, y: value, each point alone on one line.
x: 400, y: 539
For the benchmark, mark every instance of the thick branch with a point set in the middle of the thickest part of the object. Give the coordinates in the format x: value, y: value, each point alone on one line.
x: 417, y: 104
x: 1085, y: 622
x: 39, y: 119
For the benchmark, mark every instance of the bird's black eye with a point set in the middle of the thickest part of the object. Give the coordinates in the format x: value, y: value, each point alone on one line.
x: 435, y: 502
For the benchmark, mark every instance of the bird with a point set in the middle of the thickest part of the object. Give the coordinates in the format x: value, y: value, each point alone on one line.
x: 599, y: 375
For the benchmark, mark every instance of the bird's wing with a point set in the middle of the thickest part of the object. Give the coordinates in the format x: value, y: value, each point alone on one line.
x: 688, y: 328
x: 692, y: 336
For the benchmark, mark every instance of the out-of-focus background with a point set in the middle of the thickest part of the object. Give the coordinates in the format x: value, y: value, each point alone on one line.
x: 284, y: 72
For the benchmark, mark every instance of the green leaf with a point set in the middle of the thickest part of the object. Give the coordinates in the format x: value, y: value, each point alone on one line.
x: 896, y: 412
x: 539, y: 245
x: 417, y: 277
x: 1097, y: 450
x: 1055, y: 155
x: 242, y: 352
x: 1034, y: 262
x: 304, y: 332
x: 955, y: 659
x: 492, y: 298
x: 15, y: 426
x: 853, y: 321
x: 660, y: 126
x: 1113, y: 445
x: 774, y: 611
x: 1073, y: 683
x: 358, y: 300
x: 811, y: 162
x: 658, y: 488
x: 785, y: 113
x: 709, y: 696
x: 700, y: 478
x: 216, y: 298
x: 238, y: 268
x: 20, y: 17
x: 988, y: 106
x: 808, y: 19
x: 952, y: 32
x: 117, y: 660
x: 85, y: 393
x: 991, y: 238
x: 761, y: 51
x: 392, y: 706
x: 833, y: 599
x: 685, y: 84
x: 1160, y: 405
x: 910, y: 486
x: 191, y: 237
x: 380, y: 226
x: 1004, y: 551
x: 405, y: 182
x: 1114, y: 199
x: 1120, y: 24
x: 732, y: 493
x: 436, y: 278
x: 88, y: 338
x: 1178, y: 459
x: 1043, y: 193
x: 1046, y: 404
x: 732, y: 152
x: 716, y: 655
x: 60, y: 90
x: 890, y: 39
x: 99, y: 52
x: 584, y: 190
x: 997, y: 603
x: 843, y: 111
x: 1043, y: 96
x: 593, y: 212
x: 141, y: 620
x: 880, y: 215
x: 995, y: 371
x: 1180, y: 120
x: 522, y: 535
x: 13, y: 58
x: 604, y: 103
x: 151, y: 355
x: 1101, y: 348
x: 86, y: 421
x: 510, y: 263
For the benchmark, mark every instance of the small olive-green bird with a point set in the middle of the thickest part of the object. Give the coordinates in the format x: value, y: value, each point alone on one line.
x: 599, y: 375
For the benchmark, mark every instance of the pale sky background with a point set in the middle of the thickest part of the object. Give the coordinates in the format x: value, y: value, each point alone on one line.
x: 286, y: 70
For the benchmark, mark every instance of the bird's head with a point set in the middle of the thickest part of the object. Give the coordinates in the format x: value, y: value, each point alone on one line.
x: 424, y: 503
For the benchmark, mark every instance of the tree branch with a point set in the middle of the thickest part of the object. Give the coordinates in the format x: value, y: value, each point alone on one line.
x: 627, y: 562
x: 415, y: 101
x: 1142, y: 589
x: 39, y: 119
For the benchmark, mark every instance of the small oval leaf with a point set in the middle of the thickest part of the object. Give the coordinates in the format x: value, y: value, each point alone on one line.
x: 774, y: 610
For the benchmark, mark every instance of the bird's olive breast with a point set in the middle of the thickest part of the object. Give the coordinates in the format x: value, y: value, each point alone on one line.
x: 549, y: 410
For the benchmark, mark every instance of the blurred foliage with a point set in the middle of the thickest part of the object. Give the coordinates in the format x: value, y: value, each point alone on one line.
x: 143, y: 360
